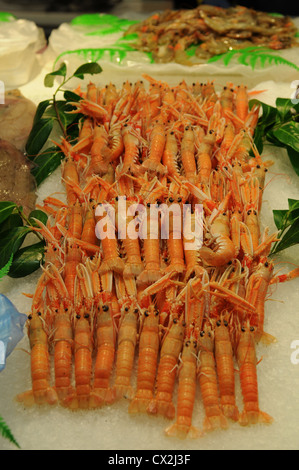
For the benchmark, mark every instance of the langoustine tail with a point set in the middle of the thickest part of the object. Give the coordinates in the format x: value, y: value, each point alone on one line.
x: 182, y: 431
x: 162, y: 408
x: 248, y: 417
x: 211, y: 423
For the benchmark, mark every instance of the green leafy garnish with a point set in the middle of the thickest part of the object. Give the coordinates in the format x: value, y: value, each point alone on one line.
x: 27, y: 260
x: 37, y: 139
x: 6, y: 208
x: 10, y: 242
x: 17, y: 260
x: 4, y: 271
x: 46, y: 163
x: 91, y: 68
x: 279, y: 126
x: 287, y: 223
x: 52, y: 116
x: 50, y: 77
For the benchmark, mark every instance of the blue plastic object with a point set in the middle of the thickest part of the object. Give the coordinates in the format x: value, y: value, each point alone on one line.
x: 11, y: 328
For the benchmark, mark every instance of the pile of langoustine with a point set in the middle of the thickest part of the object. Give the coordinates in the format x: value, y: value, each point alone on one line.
x: 185, y: 315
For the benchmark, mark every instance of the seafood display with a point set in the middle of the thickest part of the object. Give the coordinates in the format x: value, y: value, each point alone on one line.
x: 170, y: 35
x: 156, y: 267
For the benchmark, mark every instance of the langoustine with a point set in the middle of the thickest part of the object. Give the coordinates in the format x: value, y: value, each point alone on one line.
x: 125, y: 299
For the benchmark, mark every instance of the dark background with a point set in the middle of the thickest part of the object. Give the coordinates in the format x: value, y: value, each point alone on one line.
x: 278, y: 6
x: 49, y: 14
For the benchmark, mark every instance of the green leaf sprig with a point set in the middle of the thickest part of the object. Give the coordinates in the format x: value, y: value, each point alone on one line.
x: 54, y: 115
x: 17, y: 260
x: 287, y: 223
x: 279, y: 126
x: 5, y: 269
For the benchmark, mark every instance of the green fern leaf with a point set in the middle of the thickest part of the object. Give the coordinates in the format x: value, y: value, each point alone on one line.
x: 243, y: 59
x: 249, y: 56
x: 253, y: 60
x: 6, y: 432
x: 97, y: 54
x: 122, y: 55
x: 228, y: 56
x: 112, y: 53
